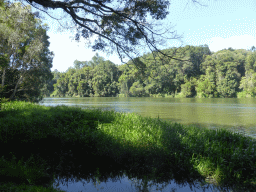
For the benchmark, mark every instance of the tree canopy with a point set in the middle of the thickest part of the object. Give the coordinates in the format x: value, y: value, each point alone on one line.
x: 227, y: 73
x: 25, y: 59
x: 126, y: 27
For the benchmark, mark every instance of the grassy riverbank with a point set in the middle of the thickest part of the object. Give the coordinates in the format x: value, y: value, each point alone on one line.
x: 38, y: 142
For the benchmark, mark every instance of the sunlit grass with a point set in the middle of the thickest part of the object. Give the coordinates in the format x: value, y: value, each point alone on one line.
x: 217, y: 155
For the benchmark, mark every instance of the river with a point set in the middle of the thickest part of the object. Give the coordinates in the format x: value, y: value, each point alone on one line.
x: 230, y: 113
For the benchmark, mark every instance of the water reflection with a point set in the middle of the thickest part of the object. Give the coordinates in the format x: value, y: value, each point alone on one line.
x: 124, y: 184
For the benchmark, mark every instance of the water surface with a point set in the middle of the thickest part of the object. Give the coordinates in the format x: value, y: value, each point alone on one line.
x: 230, y: 113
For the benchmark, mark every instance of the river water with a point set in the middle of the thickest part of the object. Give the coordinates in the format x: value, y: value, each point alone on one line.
x: 230, y: 113
x: 234, y: 114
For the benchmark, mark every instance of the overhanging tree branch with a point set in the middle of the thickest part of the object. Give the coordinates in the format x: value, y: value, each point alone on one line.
x: 119, y: 25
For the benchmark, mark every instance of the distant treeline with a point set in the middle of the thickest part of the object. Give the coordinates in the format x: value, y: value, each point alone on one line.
x: 226, y: 73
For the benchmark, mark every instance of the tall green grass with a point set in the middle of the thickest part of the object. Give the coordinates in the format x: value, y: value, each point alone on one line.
x: 219, y: 156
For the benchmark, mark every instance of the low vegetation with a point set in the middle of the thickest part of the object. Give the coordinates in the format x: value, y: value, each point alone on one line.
x: 39, y: 143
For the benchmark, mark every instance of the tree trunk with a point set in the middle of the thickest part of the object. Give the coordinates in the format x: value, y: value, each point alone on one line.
x: 16, y: 86
x: 3, y: 76
x: 2, y: 89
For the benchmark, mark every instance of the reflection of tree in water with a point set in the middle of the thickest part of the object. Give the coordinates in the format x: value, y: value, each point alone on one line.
x: 145, y: 184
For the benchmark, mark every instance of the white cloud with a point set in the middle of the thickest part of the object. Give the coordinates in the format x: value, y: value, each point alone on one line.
x: 236, y: 42
x: 67, y: 51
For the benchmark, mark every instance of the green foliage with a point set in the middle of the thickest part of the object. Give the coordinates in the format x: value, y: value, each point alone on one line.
x: 248, y: 82
x: 227, y: 75
x: 105, y: 77
x: 243, y: 94
x: 204, y: 75
x: 80, y: 64
x: 204, y: 88
x: 196, y: 56
x: 97, y: 78
x: 25, y: 59
x: 137, y: 89
x: 189, y: 88
x: 4, y: 60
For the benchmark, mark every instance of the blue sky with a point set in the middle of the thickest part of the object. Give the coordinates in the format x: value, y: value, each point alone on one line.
x: 220, y: 24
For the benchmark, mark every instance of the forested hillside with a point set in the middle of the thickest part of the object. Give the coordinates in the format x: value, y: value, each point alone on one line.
x: 226, y: 73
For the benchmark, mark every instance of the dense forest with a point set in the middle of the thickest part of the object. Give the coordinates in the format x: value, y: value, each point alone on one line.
x: 202, y: 74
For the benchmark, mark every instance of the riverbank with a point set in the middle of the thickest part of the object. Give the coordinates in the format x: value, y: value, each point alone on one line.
x: 48, y: 141
x: 159, y: 95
